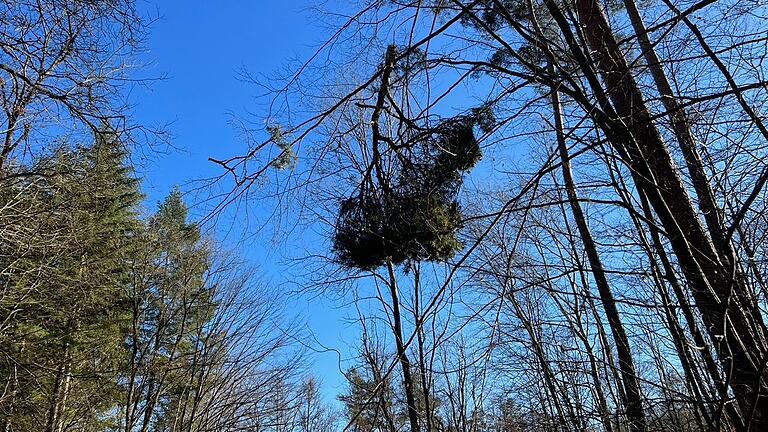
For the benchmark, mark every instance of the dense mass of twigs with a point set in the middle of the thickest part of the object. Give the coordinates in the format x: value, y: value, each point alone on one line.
x: 418, y: 217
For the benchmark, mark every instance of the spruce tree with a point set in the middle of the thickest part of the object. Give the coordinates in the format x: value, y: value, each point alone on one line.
x: 172, y: 306
x: 69, y: 289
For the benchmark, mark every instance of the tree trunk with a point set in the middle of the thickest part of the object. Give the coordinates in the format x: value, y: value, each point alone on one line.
x: 737, y: 338
x: 633, y: 402
x: 413, y: 415
x: 59, y: 392
x: 688, y: 146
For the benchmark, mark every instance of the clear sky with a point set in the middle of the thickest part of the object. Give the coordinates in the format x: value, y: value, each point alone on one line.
x: 200, y: 46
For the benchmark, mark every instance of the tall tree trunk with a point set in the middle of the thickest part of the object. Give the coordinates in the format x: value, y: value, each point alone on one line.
x: 738, y: 339
x: 64, y: 396
x: 405, y: 364
x: 688, y: 146
x: 59, y: 391
x: 739, y: 94
x: 682, y: 129
x: 631, y: 384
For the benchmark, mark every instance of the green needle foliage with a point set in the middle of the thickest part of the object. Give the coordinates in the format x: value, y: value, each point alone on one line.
x: 66, y: 293
x: 419, y: 217
x: 174, y: 302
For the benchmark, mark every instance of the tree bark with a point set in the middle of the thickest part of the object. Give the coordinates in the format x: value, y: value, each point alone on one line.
x: 60, y: 389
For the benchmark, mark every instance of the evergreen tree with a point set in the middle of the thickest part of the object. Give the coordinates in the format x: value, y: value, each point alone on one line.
x: 172, y: 304
x: 369, y: 405
x: 67, y: 292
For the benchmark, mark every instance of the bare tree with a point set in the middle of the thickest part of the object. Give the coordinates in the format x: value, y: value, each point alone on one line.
x: 64, y: 67
x: 655, y: 111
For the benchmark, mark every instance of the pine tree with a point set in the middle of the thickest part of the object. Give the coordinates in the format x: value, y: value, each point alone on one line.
x: 172, y: 304
x: 66, y: 337
x: 370, y: 405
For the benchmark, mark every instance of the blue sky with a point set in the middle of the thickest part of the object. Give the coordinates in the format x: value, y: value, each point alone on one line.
x: 199, y: 47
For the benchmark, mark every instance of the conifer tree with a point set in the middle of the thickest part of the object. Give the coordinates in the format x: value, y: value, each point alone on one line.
x: 68, y: 292
x: 171, y: 306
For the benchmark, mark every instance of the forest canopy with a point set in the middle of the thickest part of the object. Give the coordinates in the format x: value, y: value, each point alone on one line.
x: 535, y: 215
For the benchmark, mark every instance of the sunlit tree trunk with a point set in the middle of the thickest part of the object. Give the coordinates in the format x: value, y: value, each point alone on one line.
x: 633, y: 402
x: 736, y: 335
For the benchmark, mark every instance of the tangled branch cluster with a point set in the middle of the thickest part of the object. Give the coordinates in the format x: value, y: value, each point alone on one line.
x: 419, y: 216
